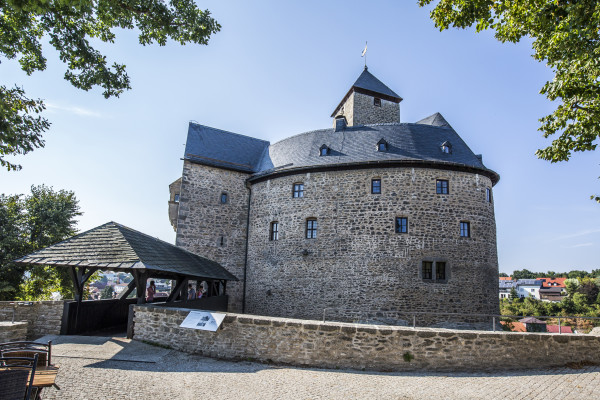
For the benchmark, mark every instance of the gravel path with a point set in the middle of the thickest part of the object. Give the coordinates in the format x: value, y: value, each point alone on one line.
x: 96, y: 374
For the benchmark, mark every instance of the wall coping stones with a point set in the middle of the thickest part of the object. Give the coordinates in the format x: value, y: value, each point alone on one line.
x: 375, y: 347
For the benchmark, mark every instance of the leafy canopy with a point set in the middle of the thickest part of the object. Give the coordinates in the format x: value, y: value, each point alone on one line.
x: 29, y: 223
x: 70, y: 26
x: 566, y: 36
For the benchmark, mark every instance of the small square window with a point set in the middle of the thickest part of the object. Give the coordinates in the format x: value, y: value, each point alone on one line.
x: 298, y: 190
x: 441, y: 186
x: 401, y: 225
x: 311, y: 228
x: 465, y: 229
x: 376, y: 186
x: 440, y: 271
x: 377, y: 102
x: 427, y: 270
x: 274, y: 231
x: 488, y: 195
x: 223, y: 198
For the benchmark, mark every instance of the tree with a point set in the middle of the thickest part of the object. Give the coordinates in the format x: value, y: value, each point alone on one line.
x: 503, y: 275
x: 70, y: 26
x: 29, y: 223
x: 513, y: 294
x: 523, y: 274
x: 566, y: 37
x: 107, y: 293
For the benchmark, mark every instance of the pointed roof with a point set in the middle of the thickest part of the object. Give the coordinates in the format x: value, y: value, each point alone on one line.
x: 368, y: 84
x: 367, y: 81
x: 435, y: 120
x: 116, y: 247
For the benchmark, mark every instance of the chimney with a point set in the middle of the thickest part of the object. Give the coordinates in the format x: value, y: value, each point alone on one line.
x: 339, y: 123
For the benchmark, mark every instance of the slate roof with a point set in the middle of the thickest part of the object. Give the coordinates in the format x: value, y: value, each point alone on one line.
x: 367, y: 81
x: 368, y: 84
x: 416, y: 142
x: 531, y: 320
x: 219, y: 148
x: 116, y: 247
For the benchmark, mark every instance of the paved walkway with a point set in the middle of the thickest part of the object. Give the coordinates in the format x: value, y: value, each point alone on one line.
x: 117, y: 368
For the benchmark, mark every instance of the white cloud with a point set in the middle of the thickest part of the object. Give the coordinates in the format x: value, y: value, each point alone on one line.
x: 578, y: 245
x: 584, y: 232
x: 84, y: 112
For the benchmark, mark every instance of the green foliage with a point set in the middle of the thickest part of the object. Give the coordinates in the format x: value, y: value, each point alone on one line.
x: 408, y: 356
x: 503, y: 275
x: 565, y: 37
x: 29, y: 223
x: 20, y: 125
x: 571, y: 285
x: 523, y: 274
x: 513, y: 293
x: 71, y: 26
x: 107, y: 293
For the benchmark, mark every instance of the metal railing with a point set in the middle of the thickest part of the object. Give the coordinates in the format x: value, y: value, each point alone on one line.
x: 359, y: 316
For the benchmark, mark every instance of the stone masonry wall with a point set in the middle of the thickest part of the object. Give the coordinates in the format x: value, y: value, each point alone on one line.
x: 358, y: 268
x: 43, y: 317
x: 343, y: 345
x: 211, y: 229
x: 365, y: 112
x: 12, y: 332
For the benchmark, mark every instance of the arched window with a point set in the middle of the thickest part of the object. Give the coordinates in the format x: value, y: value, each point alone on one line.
x: 324, y: 150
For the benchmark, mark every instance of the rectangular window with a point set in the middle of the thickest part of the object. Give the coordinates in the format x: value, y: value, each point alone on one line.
x: 376, y: 186
x: 488, y: 195
x: 465, y: 229
x: 440, y: 271
x: 274, y: 232
x: 176, y: 198
x: 401, y: 225
x: 377, y: 102
x: 441, y: 186
x: 311, y: 228
x: 223, y: 198
x: 298, y: 189
x: 427, y: 271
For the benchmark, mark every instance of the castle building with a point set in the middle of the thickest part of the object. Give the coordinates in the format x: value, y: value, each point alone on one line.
x: 371, y: 219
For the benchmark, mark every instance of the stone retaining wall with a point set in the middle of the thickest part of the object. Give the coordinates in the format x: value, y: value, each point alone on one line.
x: 12, y: 332
x: 344, y: 345
x: 43, y: 317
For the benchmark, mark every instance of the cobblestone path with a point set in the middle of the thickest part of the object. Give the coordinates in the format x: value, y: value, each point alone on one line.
x: 174, y: 375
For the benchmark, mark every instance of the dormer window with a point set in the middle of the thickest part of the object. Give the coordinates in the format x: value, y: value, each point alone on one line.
x: 324, y: 150
x: 446, y: 147
x: 377, y: 102
x: 382, y: 145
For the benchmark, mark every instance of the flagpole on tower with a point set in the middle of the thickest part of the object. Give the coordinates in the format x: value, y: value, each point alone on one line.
x: 364, y: 54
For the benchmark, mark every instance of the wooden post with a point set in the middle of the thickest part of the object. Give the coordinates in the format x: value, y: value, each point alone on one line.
x: 140, y: 279
x: 184, y: 290
x: 176, y: 290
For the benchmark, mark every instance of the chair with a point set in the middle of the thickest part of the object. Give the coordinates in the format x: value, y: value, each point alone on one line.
x: 16, y: 377
x: 28, y: 349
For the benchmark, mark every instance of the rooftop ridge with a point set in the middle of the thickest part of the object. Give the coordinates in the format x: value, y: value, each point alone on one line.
x: 231, y: 133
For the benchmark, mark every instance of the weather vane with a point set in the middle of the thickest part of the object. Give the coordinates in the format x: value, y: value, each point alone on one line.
x: 364, y: 54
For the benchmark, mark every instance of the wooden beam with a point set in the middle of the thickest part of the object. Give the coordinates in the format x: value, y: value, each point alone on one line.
x: 125, y: 293
x: 176, y: 290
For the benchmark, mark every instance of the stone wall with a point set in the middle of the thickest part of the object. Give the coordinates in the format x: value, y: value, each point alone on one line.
x: 12, y: 332
x: 343, y: 345
x: 358, y: 268
x: 211, y: 229
x: 359, y: 109
x: 43, y: 317
x: 365, y: 112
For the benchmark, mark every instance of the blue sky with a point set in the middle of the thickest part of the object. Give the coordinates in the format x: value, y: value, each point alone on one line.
x: 279, y: 68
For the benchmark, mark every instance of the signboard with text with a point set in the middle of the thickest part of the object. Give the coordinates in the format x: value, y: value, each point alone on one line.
x: 203, y: 320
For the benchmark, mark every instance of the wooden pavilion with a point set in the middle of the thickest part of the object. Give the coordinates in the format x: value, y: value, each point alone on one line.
x: 114, y: 247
